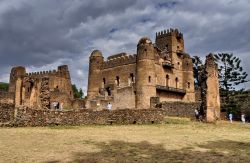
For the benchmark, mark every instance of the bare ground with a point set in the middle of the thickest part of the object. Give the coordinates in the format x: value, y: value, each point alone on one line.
x: 178, y: 140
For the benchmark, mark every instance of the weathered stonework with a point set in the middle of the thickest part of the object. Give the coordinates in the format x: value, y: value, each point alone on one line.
x: 41, y: 89
x: 162, y: 69
x: 213, y: 94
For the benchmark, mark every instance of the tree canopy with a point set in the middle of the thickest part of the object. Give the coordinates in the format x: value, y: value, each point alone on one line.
x: 78, y: 93
x: 4, y: 86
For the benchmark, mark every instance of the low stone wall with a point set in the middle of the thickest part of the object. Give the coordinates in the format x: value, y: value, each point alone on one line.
x: 31, y: 117
x: 6, y: 112
x: 179, y: 109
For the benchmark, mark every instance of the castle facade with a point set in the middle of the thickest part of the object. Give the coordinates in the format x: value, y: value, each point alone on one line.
x: 162, y: 69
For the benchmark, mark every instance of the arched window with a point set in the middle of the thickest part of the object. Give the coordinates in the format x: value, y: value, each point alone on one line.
x: 149, y: 79
x: 176, y: 82
x: 117, y: 80
x: 109, y: 91
x: 188, y: 84
x: 167, y: 80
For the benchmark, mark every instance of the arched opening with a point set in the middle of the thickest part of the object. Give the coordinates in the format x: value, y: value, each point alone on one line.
x: 132, y: 77
x: 109, y: 91
x: 167, y: 80
x: 103, y: 82
x: 176, y: 82
x: 117, y: 80
x: 188, y: 85
x: 149, y: 79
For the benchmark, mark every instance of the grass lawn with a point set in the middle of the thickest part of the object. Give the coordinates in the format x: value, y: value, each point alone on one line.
x: 178, y: 140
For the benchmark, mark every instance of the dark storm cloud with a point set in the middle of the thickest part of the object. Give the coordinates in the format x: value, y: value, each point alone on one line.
x: 42, y: 34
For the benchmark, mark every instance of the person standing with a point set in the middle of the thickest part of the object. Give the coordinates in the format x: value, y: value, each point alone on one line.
x: 109, y: 106
x: 243, y: 119
x: 231, y: 117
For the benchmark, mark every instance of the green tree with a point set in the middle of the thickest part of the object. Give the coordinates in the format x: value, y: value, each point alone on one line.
x: 231, y: 72
x: 4, y: 86
x: 197, y: 67
x: 77, y: 93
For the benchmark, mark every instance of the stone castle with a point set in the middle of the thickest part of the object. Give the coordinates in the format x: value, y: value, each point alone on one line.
x: 41, y: 89
x: 162, y: 69
x: 159, y: 74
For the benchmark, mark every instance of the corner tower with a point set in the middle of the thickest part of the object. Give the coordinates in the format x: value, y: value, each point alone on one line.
x: 94, y: 79
x: 145, y: 73
x: 16, y: 72
x: 170, y: 40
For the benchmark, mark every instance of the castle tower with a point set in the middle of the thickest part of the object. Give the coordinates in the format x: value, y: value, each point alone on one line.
x: 94, y: 80
x: 65, y: 85
x: 212, y: 90
x: 172, y: 40
x: 145, y: 73
x: 16, y: 72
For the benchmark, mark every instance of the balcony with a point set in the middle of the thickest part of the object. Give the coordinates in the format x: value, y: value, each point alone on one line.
x: 167, y: 65
x: 170, y: 89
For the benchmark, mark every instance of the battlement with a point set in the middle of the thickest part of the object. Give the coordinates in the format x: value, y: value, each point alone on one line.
x: 119, y: 60
x: 59, y: 71
x: 42, y: 73
x: 169, y: 32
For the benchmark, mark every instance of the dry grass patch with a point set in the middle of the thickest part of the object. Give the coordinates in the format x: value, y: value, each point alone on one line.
x: 178, y: 140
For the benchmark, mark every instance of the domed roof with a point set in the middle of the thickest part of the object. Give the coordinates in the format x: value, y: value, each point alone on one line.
x: 96, y: 53
x: 144, y: 40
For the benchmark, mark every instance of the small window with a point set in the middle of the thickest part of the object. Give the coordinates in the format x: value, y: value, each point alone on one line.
x: 149, y: 79
x: 176, y: 82
x: 167, y: 80
x: 57, y: 86
x: 145, y: 50
x: 178, y: 47
x: 188, y: 84
x: 104, y: 81
x: 117, y: 80
x: 132, y: 77
x: 109, y: 91
x: 178, y: 63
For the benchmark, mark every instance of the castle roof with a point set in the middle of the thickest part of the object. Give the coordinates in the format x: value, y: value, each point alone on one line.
x: 144, y: 40
x: 96, y: 53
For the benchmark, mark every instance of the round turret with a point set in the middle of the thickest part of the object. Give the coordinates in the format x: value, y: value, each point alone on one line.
x: 145, y: 73
x: 96, y: 53
x: 96, y: 61
x: 144, y: 40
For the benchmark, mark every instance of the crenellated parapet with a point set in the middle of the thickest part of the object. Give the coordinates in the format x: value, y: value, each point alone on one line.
x: 169, y: 32
x: 62, y: 71
x: 42, y: 73
x: 119, y: 60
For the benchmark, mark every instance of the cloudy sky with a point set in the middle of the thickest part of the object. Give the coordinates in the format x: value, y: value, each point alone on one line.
x: 42, y: 34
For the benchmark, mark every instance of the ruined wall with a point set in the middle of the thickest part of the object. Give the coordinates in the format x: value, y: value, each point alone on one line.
x: 6, y: 112
x: 125, y: 98
x: 7, y: 97
x: 212, y: 90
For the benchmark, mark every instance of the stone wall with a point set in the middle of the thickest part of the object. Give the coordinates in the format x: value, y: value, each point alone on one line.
x: 7, y: 97
x: 6, y: 112
x: 180, y: 109
x: 31, y: 117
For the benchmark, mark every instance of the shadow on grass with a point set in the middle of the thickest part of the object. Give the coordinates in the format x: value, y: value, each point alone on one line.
x: 119, y: 151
